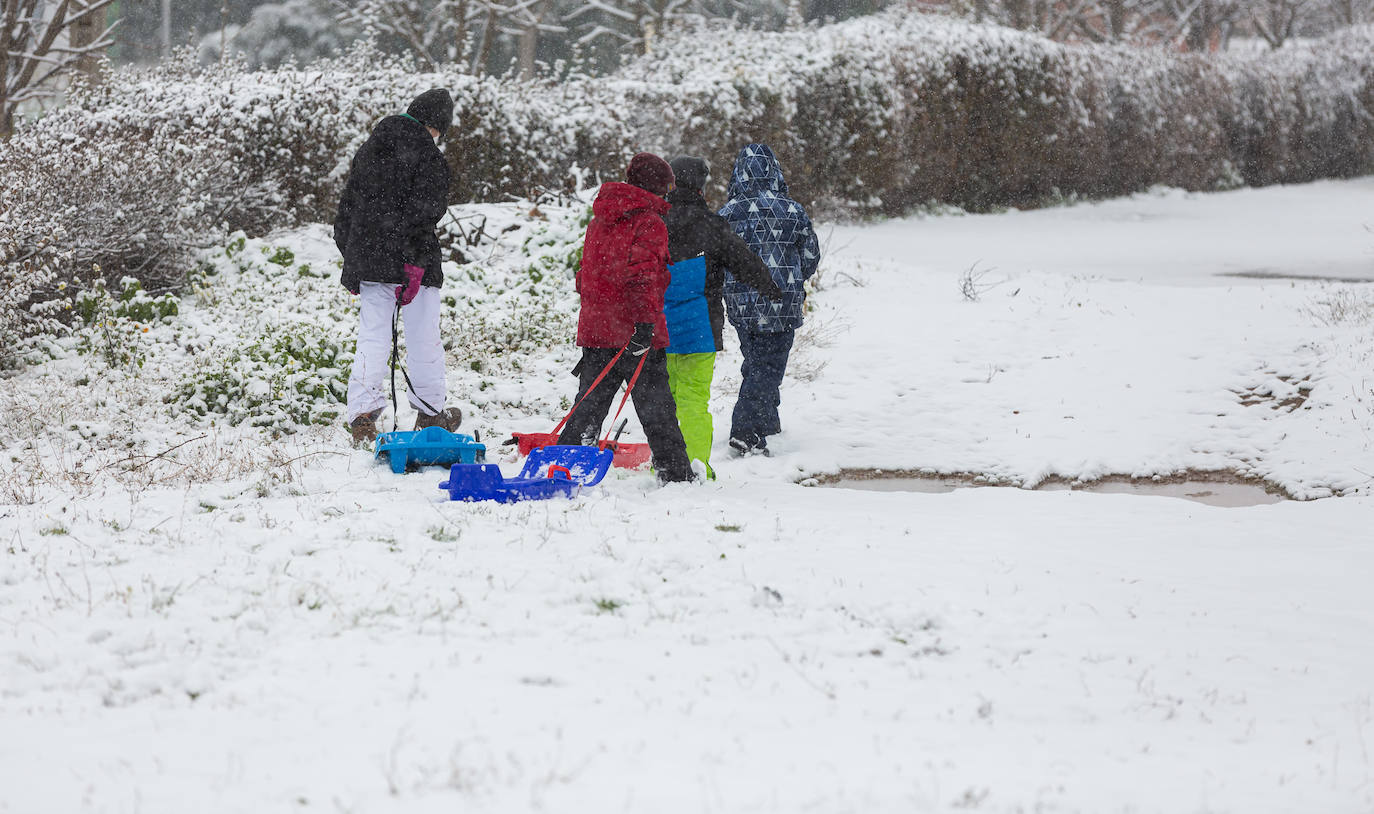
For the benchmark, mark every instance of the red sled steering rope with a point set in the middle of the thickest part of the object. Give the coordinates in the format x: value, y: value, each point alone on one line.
x: 627, y: 456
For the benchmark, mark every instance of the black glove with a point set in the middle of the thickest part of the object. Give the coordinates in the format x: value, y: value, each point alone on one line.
x: 642, y: 340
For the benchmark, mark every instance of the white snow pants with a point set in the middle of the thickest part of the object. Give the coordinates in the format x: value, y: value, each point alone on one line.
x: 424, y: 352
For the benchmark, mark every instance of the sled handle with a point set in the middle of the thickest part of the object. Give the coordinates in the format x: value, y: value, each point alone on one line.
x: 561, y: 470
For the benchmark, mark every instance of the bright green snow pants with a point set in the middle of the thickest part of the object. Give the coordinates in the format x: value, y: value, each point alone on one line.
x: 689, y: 377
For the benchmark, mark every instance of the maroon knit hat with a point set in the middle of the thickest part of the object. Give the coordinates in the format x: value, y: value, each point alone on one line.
x: 649, y: 172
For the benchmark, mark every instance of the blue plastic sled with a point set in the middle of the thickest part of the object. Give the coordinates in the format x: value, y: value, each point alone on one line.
x: 432, y: 446
x: 552, y: 471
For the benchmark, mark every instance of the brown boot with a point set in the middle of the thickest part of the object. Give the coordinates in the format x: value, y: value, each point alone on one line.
x: 364, y: 428
x: 450, y: 418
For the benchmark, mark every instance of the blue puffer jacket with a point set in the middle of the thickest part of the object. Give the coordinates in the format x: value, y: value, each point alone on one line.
x: 778, y: 230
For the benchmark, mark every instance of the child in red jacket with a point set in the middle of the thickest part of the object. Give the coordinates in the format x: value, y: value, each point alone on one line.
x: 623, y: 276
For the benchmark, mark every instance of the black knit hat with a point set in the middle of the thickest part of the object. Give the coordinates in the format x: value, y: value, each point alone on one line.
x: 691, y: 172
x: 433, y: 108
x: 649, y: 172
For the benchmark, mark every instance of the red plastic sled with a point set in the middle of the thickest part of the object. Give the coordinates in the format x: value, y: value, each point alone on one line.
x: 627, y: 456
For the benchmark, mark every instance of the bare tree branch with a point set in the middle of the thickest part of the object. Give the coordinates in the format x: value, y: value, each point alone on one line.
x: 36, y: 43
x: 1276, y: 21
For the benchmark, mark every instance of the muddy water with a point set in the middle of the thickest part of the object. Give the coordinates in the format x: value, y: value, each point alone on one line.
x: 1229, y: 495
x: 1213, y: 494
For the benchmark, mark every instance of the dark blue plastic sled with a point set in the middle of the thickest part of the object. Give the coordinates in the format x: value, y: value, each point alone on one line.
x: 432, y: 446
x: 552, y: 471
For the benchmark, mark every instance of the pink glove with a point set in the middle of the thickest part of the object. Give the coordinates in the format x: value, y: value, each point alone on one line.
x: 407, y: 291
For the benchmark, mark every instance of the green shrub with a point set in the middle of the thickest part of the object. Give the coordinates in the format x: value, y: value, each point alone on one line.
x: 297, y: 377
x: 281, y: 256
x: 113, y: 328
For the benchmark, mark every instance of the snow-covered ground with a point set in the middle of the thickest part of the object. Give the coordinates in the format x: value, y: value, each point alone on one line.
x: 1320, y: 230
x: 249, y: 623
x: 1107, y: 338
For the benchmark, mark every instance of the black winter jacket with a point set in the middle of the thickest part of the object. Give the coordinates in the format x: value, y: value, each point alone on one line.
x: 694, y: 229
x: 397, y: 190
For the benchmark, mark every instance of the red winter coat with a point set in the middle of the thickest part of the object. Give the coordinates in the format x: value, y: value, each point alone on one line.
x: 624, y: 267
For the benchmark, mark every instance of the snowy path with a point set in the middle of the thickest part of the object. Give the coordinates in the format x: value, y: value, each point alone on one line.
x: 326, y: 636
x: 1077, y: 361
x: 1325, y: 229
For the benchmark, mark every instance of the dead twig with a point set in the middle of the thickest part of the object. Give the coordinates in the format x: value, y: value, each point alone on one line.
x: 972, y: 282
x: 152, y: 458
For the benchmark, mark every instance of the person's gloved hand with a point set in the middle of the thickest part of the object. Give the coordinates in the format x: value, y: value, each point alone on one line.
x: 407, y: 290
x: 642, y: 340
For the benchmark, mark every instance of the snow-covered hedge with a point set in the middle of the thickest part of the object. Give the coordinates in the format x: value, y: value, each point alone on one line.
x: 899, y: 109
x: 294, y: 129
x: 879, y: 113
x: 137, y: 172
x: 1304, y: 112
x: 78, y: 207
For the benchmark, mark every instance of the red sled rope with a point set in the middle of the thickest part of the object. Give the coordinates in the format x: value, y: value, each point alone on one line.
x: 627, y: 456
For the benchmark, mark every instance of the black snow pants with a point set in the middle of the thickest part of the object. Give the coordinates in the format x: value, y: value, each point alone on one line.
x: 653, y: 403
x: 765, y: 362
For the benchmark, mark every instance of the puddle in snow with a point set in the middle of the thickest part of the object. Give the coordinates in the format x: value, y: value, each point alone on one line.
x: 1212, y: 493
x: 1269, y: 274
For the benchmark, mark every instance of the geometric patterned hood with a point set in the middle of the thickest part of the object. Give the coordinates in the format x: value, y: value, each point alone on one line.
x: 756, y: 170
x: 779, y: 231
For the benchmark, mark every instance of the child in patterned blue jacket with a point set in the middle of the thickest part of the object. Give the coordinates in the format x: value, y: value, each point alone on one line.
x: 779, y: 231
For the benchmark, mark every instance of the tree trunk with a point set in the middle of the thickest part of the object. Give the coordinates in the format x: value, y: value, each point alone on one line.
x: 1207, y: 28
x: 1115, y: 11
x: 483, y: 50
x: 9, y: 10
x: 460, y: 32
x: 529, y: 39
x: 1018, y: 13
x: 166, y: 29
x: 83, y: 33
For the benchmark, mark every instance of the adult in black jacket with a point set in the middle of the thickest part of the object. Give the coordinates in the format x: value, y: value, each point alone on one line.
x: 703, y: 249
x: 397, y: 190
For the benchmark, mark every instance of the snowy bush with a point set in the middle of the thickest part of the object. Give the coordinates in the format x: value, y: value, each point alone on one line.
x: 285, y: 362
x: 880, y: 113
x: 136, y: 173
x: 295, y: 377
x: 276, y: 370
x: 1304, y: 112
x: 899, y: 109
x: 886, y: 112
x: 82, y: 204
x: 133, y: 303
x: 514, y: 299
x: 24, y: 279
x: 111, y: 327
x: 293, y: 130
